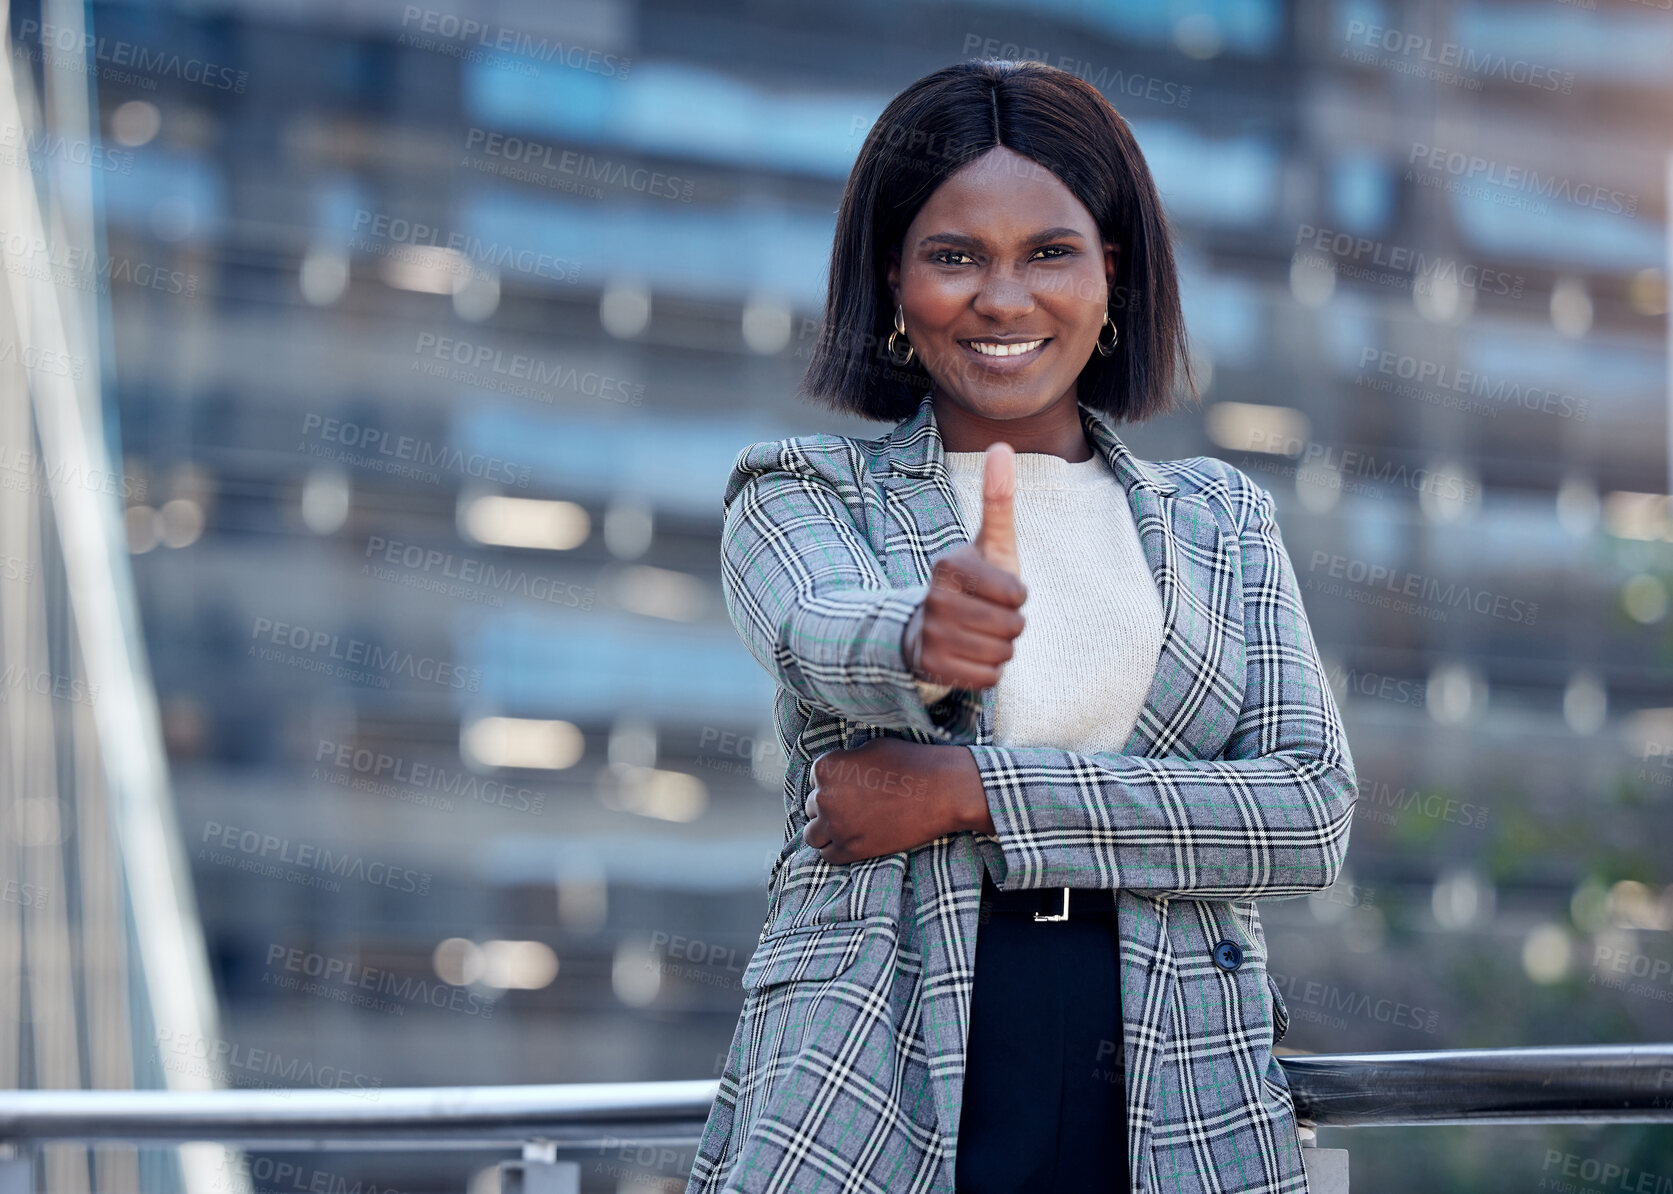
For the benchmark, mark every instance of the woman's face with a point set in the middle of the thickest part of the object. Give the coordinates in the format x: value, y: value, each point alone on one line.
x: 1003, y: 253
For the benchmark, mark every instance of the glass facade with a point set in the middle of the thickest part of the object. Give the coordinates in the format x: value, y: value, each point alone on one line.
x: 425, y: 338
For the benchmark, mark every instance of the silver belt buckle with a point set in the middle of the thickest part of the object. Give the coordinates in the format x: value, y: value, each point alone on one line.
x: 1063, y: 915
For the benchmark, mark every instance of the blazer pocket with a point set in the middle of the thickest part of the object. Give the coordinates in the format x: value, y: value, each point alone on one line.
x: 1277, y: 1084
x: 815, y: 951
x: 1280, y: 1013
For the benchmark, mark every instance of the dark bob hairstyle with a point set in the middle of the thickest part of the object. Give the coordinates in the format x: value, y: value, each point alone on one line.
x: 941, y: 123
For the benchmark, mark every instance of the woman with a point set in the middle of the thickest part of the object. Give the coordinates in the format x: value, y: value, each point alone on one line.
x: 1015, y: 665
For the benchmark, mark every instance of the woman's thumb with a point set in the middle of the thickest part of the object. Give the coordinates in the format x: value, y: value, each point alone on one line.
x: 996, y: 539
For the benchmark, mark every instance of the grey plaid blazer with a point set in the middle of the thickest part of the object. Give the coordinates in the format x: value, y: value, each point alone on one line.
x: 846, y: 1067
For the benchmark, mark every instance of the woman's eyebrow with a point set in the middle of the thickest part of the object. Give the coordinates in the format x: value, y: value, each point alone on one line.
x: 963, y: 240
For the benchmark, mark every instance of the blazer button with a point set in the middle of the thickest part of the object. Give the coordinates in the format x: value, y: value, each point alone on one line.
x: 1227, y: 955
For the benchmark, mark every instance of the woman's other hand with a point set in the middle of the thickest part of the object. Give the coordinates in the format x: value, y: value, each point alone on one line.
x: 962, y: 633
x: 888, y: 795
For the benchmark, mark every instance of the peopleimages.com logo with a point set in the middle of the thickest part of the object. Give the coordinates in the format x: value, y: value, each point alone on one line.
x: 360, y: 767
x: 348, y: 981
x: 268, y: 848
x: 353, y: 659
x: 234, y: 1064
x: 1418, y: 54
x: 71, y: 47
x: 1388, y: 264
x: 1468, y: 168
x: 448, y: 31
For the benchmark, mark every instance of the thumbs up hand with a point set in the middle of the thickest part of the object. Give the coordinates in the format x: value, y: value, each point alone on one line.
x: 962, y: 633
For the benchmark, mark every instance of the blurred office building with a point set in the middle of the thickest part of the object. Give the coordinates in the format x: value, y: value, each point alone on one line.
x: 421, y: 341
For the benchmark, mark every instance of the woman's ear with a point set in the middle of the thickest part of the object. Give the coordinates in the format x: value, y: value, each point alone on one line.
x: 892, y: 276
x: 1112, y: 257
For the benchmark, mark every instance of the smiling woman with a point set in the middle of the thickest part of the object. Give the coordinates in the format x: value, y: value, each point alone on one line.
x: 982, y: 187
x: 1015, y: 664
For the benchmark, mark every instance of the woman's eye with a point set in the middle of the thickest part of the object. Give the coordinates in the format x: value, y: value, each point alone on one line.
x: 940, y: 257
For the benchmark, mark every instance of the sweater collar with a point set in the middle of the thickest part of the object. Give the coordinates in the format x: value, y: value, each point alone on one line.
x: 914, y: 449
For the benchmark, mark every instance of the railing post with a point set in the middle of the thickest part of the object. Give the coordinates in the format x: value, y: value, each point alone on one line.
x: 16, y: 1173
x: 1327, y: 1168
x: 539, y: 1172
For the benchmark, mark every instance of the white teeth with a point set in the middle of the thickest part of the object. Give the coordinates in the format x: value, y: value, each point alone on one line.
x: 1006, y: 350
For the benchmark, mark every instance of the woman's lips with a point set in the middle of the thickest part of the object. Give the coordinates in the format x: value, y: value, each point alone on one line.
x: 1005, y: 364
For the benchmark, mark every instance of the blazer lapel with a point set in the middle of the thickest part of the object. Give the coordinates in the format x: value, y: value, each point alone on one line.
x: 1197, y: 692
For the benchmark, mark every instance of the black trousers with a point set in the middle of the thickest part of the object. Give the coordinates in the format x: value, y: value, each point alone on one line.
x: 1044, y: 1084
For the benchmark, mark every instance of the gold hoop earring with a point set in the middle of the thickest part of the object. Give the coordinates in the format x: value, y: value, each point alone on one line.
x: 1115, y: 334
x: 900, y: 332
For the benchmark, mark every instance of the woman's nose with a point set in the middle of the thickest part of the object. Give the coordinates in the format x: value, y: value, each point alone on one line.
x: 1004, y: 295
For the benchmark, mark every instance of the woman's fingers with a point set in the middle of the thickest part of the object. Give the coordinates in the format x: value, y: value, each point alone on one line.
x: 961, y: 673
x: 962, y: 612
x: 967, y: 646
x: 964, y: 640
x: 962, y: 632
x: 815, y: 833
x: 963, y: 570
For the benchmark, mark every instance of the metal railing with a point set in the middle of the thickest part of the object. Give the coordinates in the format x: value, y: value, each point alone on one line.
x: 1566, y: 1084
x: 1559, y: 1084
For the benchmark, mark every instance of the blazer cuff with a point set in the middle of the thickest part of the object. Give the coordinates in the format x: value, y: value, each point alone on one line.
x: 1013, y: 852
x: 957, y: 712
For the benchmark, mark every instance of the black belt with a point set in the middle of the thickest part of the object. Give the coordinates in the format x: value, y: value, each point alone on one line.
x: 1048, y: 903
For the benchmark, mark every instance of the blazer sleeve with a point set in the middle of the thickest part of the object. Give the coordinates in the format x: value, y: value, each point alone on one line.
x: 811, y: 602
x: 1269, y: 818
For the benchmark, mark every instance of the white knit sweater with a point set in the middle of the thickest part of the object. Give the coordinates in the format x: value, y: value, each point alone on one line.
x: 1085, y: 661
